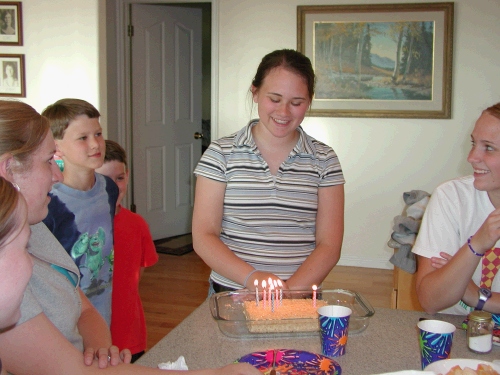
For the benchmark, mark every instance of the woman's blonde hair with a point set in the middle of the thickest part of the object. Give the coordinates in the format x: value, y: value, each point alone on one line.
x: 494, y: 110
x: 9, y: 210
x: 22, y: 131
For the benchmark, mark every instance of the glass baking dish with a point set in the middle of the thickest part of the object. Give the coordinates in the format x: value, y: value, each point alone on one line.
x: 227, y: 309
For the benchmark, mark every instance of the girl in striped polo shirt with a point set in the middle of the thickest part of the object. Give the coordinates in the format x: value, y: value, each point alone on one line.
x: 270, y: 199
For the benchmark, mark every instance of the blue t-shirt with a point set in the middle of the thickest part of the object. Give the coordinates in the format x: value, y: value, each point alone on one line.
x: 82, y: 221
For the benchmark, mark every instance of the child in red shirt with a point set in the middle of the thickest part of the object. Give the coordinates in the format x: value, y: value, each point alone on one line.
x: 134, y: 250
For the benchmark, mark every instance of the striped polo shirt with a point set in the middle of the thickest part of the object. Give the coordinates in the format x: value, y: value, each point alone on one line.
x: 269, y: 221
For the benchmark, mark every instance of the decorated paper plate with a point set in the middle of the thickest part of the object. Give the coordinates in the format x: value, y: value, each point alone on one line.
x: 445, y: 365
x: 292, y: 362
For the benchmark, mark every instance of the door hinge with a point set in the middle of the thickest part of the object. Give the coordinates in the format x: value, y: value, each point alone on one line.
x: 130, y: 30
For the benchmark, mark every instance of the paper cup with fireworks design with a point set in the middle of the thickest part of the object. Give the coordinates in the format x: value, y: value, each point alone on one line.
x: 435, y: 340
x: 334, y: 325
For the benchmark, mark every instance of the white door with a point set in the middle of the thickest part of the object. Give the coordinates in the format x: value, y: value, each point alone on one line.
x: 166, y: 113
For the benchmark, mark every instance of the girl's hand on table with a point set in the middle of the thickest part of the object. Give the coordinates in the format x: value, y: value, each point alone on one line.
x: 440, y: 262
x: 105, y: 356
x: 260, y: 276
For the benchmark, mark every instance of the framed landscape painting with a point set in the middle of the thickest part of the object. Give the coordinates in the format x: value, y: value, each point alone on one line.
x: 11, y: 23
x: 379, y: 60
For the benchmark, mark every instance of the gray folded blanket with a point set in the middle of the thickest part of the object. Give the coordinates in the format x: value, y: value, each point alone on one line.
x: 405, y: 259
x: 406, y: 224
x: 413, y: 196
x: 406, y: 228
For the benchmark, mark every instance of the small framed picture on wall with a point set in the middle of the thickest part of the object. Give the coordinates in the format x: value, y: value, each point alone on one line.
x: 12, y: 77
x: 11, y: 23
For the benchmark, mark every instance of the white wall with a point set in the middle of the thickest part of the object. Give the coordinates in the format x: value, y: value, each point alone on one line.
x: 381, y: 158
x: 61, y: 51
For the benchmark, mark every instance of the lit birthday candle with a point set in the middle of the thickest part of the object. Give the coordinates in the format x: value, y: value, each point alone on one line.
x: 280, y: 284
x: 264, y: 293
x: 314, y: 295
x: 270, y: 281
x: 256, y: 283
x: 275, y: 284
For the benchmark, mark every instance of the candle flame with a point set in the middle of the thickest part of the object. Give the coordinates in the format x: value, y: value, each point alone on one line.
x: 256, y: 282
x: 315, y: 287
x: 263, y: 283
x: 275, y: 283
x: 280, y: 283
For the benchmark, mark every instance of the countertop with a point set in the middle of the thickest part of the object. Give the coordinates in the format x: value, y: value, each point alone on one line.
x: 390, y: 343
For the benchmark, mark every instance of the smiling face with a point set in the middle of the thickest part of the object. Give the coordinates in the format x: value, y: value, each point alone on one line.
x: 117, y: 171
x: 16, y: 266
x: 36, y: 182
x: 283, y: 100
x: 82, y: 145
x: 484, y: 156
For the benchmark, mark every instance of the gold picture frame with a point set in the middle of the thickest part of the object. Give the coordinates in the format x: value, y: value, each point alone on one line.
x: 12, y: 77
x: 11, y: 23
x: 379, y: 60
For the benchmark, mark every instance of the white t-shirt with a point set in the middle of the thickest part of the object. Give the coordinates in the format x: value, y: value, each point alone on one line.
x: 455, y: 212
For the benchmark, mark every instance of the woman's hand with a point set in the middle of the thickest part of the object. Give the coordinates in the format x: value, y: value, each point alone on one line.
x: 260, y: 276
x: 440, y: 262
x: 488, y: 234
x: 105, y: 356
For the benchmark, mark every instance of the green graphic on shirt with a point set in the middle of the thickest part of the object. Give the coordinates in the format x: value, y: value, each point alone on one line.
x: 91, y: 246
x: 111, y: 260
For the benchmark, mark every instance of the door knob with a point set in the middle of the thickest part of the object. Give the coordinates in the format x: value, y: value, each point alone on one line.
x: 198, y: 135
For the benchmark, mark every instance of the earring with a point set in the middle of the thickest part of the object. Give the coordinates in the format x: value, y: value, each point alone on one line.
x: 16, y: 186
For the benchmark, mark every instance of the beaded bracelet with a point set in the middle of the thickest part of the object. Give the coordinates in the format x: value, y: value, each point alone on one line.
x: 248, y: 276
x: 471, y: 249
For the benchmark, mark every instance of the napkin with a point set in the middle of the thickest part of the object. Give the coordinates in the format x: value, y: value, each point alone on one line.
x: 180, y: 364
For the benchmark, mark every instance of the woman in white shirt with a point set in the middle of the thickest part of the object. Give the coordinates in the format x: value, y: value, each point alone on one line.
x: 458, y: 241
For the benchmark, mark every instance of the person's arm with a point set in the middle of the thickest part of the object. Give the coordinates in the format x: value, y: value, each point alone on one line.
x: 443, y: 287
x: 97, y: 337
x: 37, y: 347
x: 329, y: 237
x: 438, y: 289
x: 207, y: 223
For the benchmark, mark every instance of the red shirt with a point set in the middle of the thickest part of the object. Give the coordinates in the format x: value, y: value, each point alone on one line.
x: 133, y: 248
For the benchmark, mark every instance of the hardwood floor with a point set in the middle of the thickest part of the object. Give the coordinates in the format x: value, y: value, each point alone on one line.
x: 177, y: 285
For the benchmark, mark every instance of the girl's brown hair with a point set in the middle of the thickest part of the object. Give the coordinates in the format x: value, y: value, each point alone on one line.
x: 22, y: 131
x: 291, y: 60
x: 9, y: 212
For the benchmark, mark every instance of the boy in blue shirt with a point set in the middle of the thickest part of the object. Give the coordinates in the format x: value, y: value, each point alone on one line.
x: 82, y: 207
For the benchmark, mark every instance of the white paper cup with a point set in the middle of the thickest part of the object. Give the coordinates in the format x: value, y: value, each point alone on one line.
x: 435, y: 340
x: 334, y: 311
x: 334, y: 327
